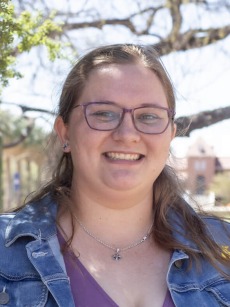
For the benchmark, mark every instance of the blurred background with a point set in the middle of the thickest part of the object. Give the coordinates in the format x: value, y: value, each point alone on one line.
x: 39, y: 42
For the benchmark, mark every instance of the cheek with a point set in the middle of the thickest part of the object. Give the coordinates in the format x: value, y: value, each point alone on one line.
x: 84, y: 141
x: 79, y: 147
x: 161, y: 143
x: 163, y: 152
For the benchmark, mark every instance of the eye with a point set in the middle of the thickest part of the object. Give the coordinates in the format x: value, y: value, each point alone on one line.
x: 104, y: 115
x: 148, y: 118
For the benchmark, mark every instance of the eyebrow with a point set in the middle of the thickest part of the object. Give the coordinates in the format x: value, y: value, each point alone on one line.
x: 151, y: 105
x: 145, y: 104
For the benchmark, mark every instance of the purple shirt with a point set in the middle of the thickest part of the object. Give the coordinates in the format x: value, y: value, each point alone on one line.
x: 168, y: 300
x: 85, y: 289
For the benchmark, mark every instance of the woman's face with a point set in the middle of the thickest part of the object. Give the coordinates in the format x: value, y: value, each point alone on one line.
x: 123, y: 159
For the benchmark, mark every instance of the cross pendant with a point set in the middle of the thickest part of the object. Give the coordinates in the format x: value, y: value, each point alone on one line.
x: 116, y: 256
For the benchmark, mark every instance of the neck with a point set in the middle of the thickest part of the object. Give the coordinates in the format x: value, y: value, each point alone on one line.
x: 109, y: 220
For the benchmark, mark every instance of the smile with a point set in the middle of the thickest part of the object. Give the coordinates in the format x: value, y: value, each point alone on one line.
x: 123, y: 156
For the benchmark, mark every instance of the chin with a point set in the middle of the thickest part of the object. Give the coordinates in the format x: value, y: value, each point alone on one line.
x: 123, y: 186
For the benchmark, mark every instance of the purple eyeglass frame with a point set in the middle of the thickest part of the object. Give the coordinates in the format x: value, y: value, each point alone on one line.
x: 171, y: 114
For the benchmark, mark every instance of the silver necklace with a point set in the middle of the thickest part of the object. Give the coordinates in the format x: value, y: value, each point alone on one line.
x: 117, y: 251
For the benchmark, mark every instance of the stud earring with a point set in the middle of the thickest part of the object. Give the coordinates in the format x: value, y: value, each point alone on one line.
x: 65, y: 145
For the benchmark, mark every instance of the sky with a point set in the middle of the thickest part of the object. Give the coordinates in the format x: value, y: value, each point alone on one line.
x: 201, y: 79
x: 206, y: 87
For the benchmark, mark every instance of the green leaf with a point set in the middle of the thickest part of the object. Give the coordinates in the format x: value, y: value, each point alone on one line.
x: 19, y: 34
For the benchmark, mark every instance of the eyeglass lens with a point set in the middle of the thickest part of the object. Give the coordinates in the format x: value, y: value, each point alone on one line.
x: 103, y: 116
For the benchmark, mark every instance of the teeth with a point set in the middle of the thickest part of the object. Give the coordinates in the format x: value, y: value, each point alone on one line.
x: 122, y: 156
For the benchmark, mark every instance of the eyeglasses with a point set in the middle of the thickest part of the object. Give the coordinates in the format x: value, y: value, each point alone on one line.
x: 105, y: 116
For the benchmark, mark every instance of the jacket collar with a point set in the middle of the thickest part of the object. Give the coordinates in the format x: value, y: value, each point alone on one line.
x: 36, y: 219
x: 179, y: 230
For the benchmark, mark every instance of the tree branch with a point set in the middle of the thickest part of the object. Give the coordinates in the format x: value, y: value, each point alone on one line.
x: 174, y: 8
x: 193, y: 39
x: 28, y: 109
x: 23, y: 136
x: 187, y: 124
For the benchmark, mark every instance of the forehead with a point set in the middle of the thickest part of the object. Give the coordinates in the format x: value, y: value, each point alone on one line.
x: 123, y: 82
x: 118, y: 71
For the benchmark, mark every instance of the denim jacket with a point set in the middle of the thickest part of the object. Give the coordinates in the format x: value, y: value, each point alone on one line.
x: 32, y: 269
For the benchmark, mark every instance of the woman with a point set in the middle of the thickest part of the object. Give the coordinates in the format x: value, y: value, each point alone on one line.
x: 111, y: 228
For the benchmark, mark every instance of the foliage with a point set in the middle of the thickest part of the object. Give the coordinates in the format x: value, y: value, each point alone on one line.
x: 20, y: 33
x: 220, y: 186
x: 13, y: 127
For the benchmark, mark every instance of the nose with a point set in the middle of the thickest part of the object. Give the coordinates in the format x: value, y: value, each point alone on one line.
x: 126, y: 131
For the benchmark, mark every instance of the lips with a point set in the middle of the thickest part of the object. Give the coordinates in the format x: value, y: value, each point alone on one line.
x: 123, y: 156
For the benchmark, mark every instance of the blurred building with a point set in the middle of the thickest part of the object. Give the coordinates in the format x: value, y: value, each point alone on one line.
x: 21, y: 174
x: 198, y: 169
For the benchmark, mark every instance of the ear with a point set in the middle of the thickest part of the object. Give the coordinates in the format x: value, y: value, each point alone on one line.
x: 62, y: 132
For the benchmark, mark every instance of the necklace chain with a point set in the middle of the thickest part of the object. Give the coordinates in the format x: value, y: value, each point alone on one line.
x: 116, y: 256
